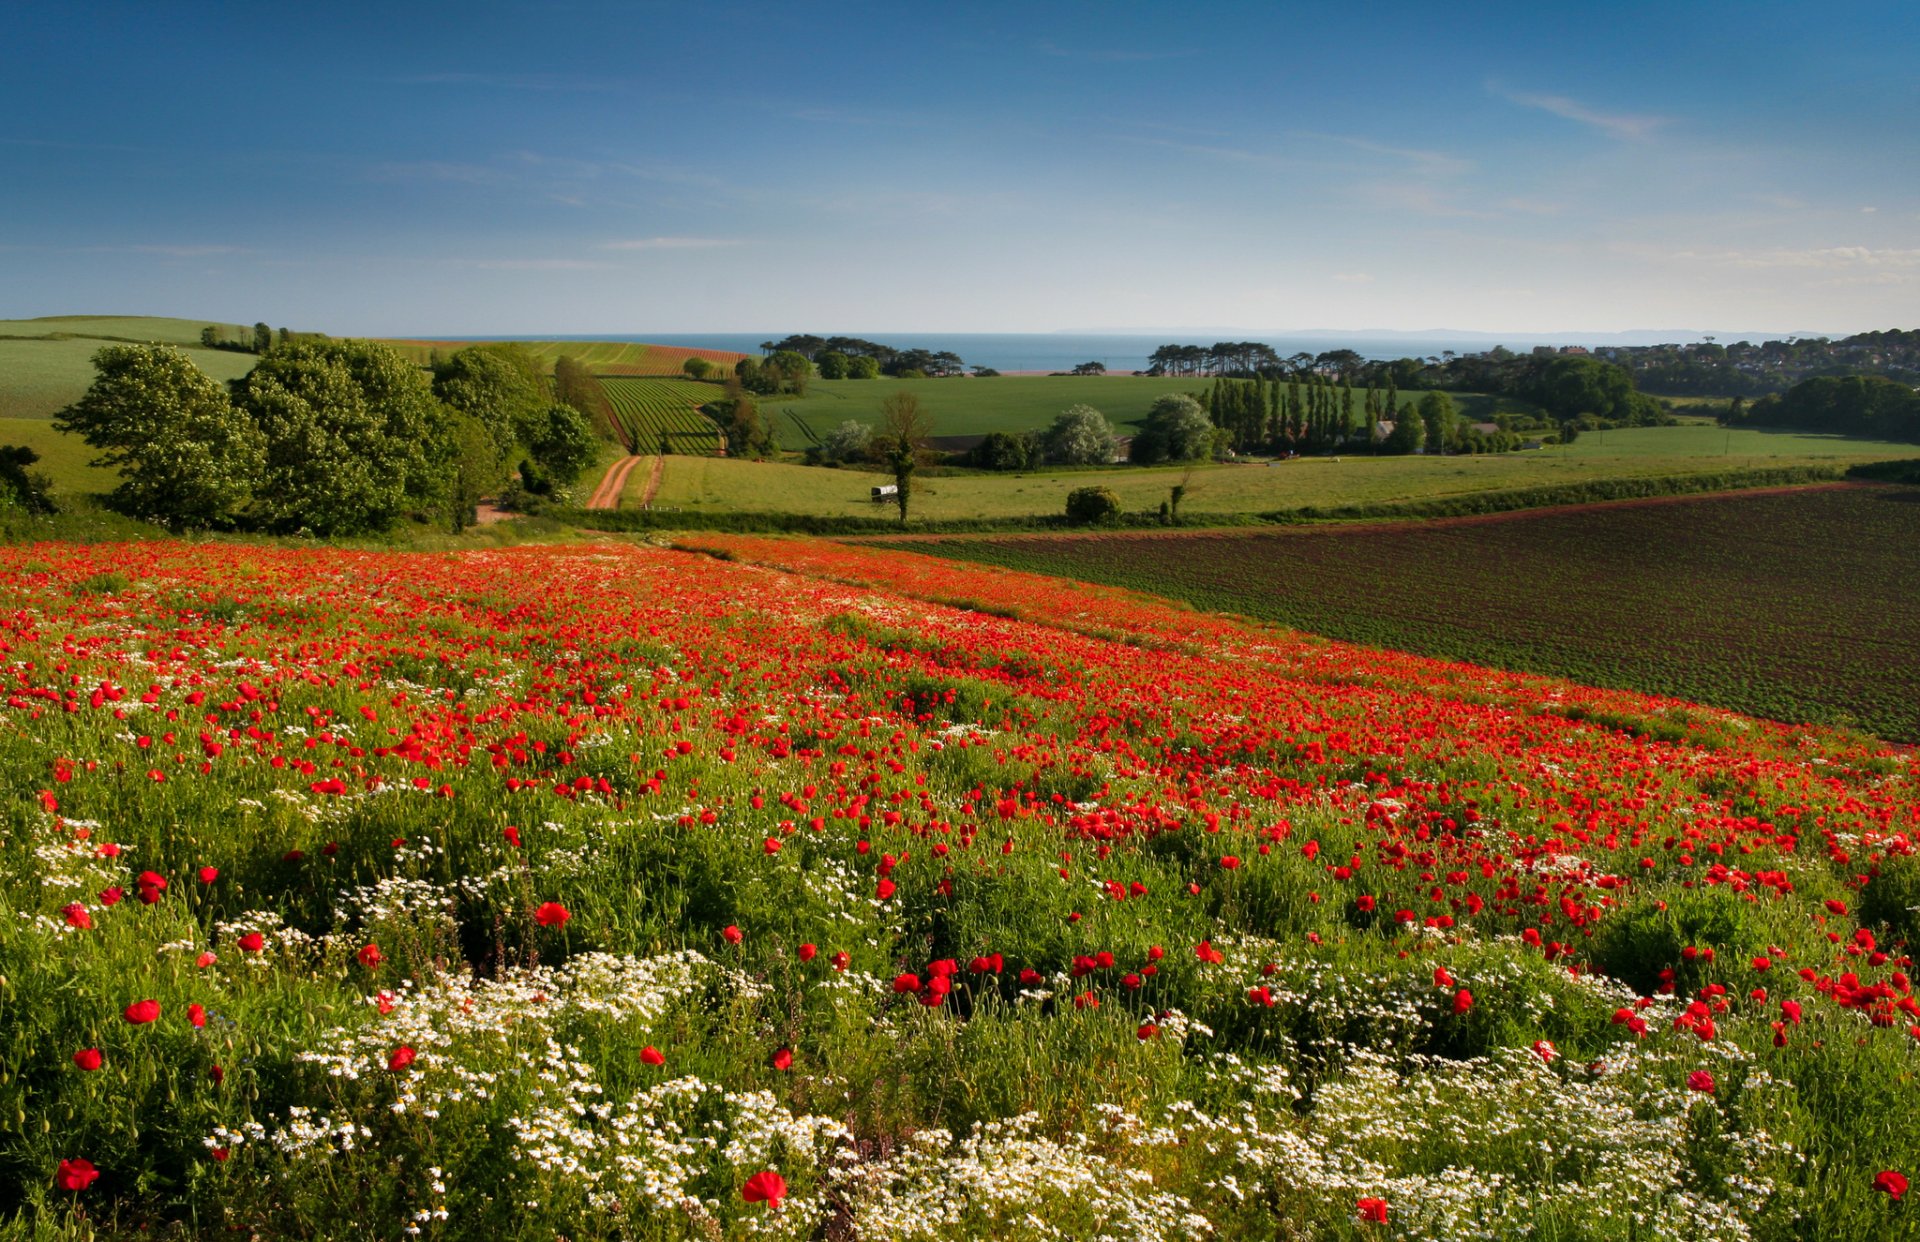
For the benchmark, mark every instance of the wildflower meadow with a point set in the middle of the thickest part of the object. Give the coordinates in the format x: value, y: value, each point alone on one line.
x: 797, y: 890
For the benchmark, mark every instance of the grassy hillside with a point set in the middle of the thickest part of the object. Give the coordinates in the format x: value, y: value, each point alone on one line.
x: 629, y: 358
x: 712, y: 485
x: 39, y: 376
x: 141, y: 329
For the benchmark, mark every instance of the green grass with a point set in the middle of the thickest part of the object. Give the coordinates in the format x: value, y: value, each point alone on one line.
x: 1797, y: 606
x: 141, y: 329
x: 40, y: 377
x: 761, y: 487
x: 1015, y: 403
x: 63, y: 458
x: 605, y: 358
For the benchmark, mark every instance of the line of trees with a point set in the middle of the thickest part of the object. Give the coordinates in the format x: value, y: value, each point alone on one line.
x: 851, y: 357
x: 1251, y: 360
x: 255, y: 340
x: 332, y: 437
x: 1862, y: 405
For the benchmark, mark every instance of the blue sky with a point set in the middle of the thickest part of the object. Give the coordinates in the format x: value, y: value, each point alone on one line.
x: 614, y: 167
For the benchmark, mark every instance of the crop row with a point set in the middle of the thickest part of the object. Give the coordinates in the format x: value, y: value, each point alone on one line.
x: 653, y: 413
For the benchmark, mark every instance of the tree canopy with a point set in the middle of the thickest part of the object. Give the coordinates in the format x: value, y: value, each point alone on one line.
x: 354, y: 438
x: 186, y: 456
x: 1080, y: 436
x: 1176, y: 429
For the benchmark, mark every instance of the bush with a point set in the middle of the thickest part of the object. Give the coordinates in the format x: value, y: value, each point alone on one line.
x: 1089, y: 506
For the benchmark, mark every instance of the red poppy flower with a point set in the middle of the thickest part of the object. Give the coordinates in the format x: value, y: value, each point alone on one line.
x: 111, y: 896
x: 209, y: 874
x: 731, y: 934
x: 1207, y: 953
x: 842, y: 960
x: 807, y: 952
x: 652, y: 1055
x: 401, y: 1057
x: 1701, y: 1081
x: 77, y: 916
x: 1229, y: 862
x: 883, y: 890
x: 783, y: 1059
x: 87, y: 1059
x: 1462, y: 1001
x: 905, y: 983
x: 197, y: 1014
x: 1891, y: 1184
x: 252, y: 942
x: 75, y: 1175
x: 1373, y: 1211
x: 771, y: 846
x: 1147, y: 1031
x: 370, y: 956
x: 142, y: 1012
x: 765, y: 1187
x: 205, y: 960
x: 551, y: 914
x: 512, y: 835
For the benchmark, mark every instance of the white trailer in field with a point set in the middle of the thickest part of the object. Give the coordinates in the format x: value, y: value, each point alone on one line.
x: 886, y: 491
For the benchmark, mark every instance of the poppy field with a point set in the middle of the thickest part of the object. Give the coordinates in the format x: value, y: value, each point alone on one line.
x: 1795, y: 605
x: 799, y: 890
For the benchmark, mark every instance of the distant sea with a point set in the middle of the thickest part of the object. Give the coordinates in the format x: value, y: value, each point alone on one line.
x: 1049, y: 351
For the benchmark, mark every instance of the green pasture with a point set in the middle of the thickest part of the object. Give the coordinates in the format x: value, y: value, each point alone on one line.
x: 1015, y: 403
x: 38, y: 377
x: 139, y: 329
x: 63, y: 458
x: 713, y: 485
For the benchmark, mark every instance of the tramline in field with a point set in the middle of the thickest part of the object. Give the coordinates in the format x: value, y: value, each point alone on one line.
x: 662, y: 415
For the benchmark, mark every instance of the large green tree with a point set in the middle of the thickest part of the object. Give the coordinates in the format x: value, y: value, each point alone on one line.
x: 1080, y: 436
x: 186, y: 456
x: 501, y: 385
x: 355, y: 439
x: 1176, y: 429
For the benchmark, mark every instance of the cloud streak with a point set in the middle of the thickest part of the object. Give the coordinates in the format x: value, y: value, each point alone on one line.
x: 1626, y: 126
x: 674, y: 243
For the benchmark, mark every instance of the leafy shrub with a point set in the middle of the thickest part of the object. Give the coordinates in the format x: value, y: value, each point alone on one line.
x: 1088, y: 506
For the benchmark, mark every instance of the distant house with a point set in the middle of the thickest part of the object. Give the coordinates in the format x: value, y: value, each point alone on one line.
x: 1486, y: 429
x: 1123, y: 448
x: 1383, y: 428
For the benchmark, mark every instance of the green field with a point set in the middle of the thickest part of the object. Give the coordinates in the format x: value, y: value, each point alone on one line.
x: 1014, y: 403
x: 1798, y: 605
x: 631, y: 358
x: 650, y: 410
x: 746, y: 486
x: 140, y: 329
x: 40, y: 376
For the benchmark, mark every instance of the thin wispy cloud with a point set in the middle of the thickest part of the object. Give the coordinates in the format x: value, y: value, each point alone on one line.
x: 511, y: 81
x: 1113, y: 55
x: 531, y: 265
x: 438, y: 170
x: 1832, y: 258
x: 674, y: 243
x: 1235, y: 155
x: 1438, y: 163
x: 178, y: 252
x: 1628, y: 126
